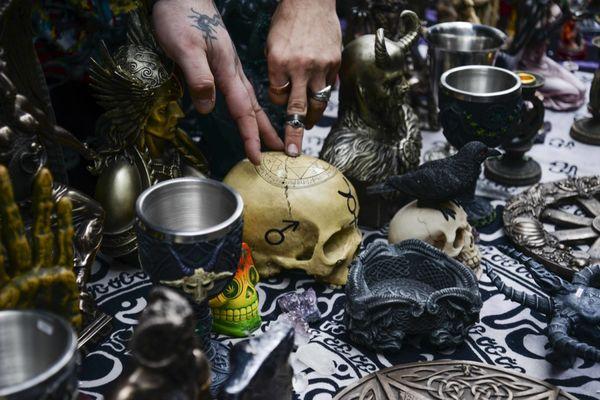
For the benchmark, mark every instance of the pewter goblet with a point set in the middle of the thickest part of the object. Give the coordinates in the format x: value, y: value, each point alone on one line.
x: 452, y: 44
x: 189, y: 234
x: 38, y: 356
x: 483, y: 103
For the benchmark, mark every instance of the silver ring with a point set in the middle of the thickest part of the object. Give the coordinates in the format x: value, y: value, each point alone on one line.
x: 322, y: 95
x: 296, y: 121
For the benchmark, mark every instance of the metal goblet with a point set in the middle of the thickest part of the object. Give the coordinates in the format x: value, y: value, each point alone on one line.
x: 483, y: 103
x: 38, y: 356
x: 452, y: 44
x: 587, y: 130
x: 189, y: 234
x: 514, y: 168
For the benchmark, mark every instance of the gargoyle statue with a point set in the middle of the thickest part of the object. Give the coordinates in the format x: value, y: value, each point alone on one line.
x: 574, y: 308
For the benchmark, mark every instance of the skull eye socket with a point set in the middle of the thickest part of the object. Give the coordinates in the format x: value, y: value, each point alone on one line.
x: 249, y: 292
x: 253, y: 274
x: 232, y: 290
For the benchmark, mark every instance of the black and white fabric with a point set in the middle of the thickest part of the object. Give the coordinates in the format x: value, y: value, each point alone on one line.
x: 507, y: 335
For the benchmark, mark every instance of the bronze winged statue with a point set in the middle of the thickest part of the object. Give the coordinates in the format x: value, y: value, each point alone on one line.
x: 141, y: 144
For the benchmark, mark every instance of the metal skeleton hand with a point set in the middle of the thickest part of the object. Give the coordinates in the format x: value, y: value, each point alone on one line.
x: 199, y: 284
x: 37, y: 273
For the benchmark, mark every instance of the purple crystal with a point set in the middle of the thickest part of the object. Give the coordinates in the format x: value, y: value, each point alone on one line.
x: 301, y: 305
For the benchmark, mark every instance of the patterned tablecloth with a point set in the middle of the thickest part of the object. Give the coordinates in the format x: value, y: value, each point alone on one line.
x: 507, y: 335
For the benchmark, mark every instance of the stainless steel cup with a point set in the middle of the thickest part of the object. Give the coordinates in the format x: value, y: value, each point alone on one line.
x: 453, y: 44
x: 38, y: 356
x: 189, y: 223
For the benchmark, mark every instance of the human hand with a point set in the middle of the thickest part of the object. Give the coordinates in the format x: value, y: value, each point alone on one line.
x: 304, y: 49
x: 192, y: 33
x: 37, y: 275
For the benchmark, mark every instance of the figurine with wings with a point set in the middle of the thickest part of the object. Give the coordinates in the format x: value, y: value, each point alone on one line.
x: 141, y: 142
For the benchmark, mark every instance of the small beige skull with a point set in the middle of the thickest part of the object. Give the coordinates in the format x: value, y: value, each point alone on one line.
x: 454, y: 236
x: 299, y: 213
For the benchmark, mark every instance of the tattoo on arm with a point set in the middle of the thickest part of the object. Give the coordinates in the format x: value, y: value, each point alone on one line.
x: 206, y: 24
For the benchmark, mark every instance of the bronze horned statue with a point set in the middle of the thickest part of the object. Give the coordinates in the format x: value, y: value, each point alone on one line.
x: 377, y: 134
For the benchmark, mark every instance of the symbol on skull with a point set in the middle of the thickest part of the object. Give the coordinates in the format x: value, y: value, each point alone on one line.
x: 277, y: 236
x: 350, y: 203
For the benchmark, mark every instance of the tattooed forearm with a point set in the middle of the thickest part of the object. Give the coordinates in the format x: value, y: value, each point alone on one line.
x: 206, y: 24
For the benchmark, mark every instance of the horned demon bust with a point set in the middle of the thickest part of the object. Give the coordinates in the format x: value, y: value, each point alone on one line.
x: 377, y: 134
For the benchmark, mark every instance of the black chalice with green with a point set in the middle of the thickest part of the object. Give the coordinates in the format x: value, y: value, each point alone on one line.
x: 480, y: 103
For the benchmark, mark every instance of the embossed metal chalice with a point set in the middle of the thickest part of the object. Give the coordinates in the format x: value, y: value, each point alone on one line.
x: 514, y: 168
x: 453, y: 44
x: 407, y: 290
x: 38, y: 356
x: 189, y: 233
x: 483, y: 103
x: 587, y: 130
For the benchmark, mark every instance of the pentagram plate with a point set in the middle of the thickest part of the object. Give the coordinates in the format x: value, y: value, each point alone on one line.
x: 551, y: 220
x: 294, y: 172
x: 452, y: 380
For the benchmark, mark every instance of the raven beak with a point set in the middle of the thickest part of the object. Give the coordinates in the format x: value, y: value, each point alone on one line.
x: 493, y: 152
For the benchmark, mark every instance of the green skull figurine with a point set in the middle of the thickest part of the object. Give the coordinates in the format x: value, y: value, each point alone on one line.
x: 235, y: 309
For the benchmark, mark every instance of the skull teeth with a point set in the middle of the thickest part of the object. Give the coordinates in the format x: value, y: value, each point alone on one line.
x: 236, y: 314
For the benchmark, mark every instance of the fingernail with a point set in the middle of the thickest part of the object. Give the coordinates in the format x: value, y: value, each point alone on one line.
x: 292, y: 150
x: 203, y: 104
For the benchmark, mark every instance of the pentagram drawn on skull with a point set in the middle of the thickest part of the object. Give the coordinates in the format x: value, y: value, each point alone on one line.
x: 294, y: 172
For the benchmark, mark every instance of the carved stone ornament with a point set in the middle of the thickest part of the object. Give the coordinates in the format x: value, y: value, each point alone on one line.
x: 527, y: 217
x: 448, y: 379
x: 410, y: 289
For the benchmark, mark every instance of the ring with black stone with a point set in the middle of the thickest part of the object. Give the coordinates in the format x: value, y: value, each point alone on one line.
x: 296, y: 121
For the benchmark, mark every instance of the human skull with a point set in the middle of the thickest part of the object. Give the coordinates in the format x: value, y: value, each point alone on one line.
x: 299, y: 213
x: 454, y: 236
x: 235, y: 309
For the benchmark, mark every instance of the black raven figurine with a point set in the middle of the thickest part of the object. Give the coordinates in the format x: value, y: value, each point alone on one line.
x: 439, y: 181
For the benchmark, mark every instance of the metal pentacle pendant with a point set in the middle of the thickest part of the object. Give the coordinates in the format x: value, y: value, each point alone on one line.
x: 448, y: 379
x: 294, y: 172
x: 551, y: 220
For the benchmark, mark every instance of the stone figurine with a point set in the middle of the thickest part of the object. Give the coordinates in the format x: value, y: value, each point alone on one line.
x: 377, y: 134
x: 573, y: 308
x: 439, y: 181
x: 453, y: 236
x: 169, y: 362
x: 37, y: 272
x: 260, y: 368
x: 141, y: 142
x: 587, y: 130
x: 410, y: 289
x: 302, y: 214
x: 235, y: 310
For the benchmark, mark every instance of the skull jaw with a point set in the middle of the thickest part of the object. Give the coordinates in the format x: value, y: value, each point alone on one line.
x: 225, y: 322
x: 337, y: 274
x: 471, y: 257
